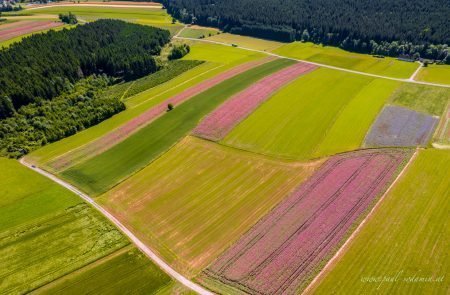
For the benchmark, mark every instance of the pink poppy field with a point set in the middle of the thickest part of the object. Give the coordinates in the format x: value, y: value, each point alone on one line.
x: 220, y: 122
x: 283, y: 250
x: 107, y: 141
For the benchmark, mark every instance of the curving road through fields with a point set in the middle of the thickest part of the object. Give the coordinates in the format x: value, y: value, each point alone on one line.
x: 146, y: 250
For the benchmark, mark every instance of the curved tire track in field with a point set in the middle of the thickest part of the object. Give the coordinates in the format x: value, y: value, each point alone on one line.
x: 319, y: 64
x: 146, y: 250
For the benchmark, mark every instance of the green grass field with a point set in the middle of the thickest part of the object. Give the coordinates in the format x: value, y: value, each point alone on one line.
x: 408, y: 236
x: 199, y: 197
x: 314, y: 116
x: 230, y: 57
x: 340, y: 58
x: 435, y: 74
x: 46, y: 231
x: 98, y: 174
x: 198, y: 32
x: 125, y: 271
x: 427, y: 99
x: 248, y: 42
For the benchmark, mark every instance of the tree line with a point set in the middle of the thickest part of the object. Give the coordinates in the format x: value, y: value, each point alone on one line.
x: 78, y: 107
x: 39, y: 67
x: 403, y: 27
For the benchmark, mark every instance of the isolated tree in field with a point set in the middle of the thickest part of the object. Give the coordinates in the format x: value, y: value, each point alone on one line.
x: 70, y: 18
x: 169, y: 107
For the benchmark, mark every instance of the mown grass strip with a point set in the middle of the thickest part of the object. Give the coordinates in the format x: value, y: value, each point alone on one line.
x: 99, y: 174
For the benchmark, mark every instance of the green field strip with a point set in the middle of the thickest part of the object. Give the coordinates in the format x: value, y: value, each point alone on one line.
x: 405, y: 240
x: 102, y: 172
x: 46, y: 231
x: 435, y: 74
x: 125, y: 271
x: 352, y: 123
x: 337, y: 57
x: 427, y: 99
x: 141, y: 102
x: 167, y: 202
x: 296, y: 121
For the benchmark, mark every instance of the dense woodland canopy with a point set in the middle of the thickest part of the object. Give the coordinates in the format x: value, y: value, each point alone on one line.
x: 411, y: 27
x: 41, y: 66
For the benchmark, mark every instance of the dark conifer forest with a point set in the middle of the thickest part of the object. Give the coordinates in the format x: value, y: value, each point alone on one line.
x: 411, y: 27
x: 41, y: 66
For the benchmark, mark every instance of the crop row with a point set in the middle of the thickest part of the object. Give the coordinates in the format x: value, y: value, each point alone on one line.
x: 104, y: 143
x: 25, y: 28
x: 283, y: 250
x: 220, y: 122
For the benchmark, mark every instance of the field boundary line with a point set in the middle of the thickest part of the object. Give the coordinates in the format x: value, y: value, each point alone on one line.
x: 146, y: 250
x: 319, y: 64
x: 342, y: 249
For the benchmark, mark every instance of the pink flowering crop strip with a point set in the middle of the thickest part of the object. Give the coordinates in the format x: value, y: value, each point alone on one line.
x: 283, y: 250
x: 25, y: 27
x: 112, y: 138
x: 220, y: 122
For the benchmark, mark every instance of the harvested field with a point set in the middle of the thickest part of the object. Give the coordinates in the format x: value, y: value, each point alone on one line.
x: 199, y: 197
x: 282, y: 251
x: 104, y: 143
x: 397, y: 126
x: 16, y: 29
x: 220, y: 122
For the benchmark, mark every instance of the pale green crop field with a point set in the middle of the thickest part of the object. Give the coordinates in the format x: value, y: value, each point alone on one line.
x: 198, y: 32
x: 46, y: 231
x: 407, y: 236
x: 435, y: 74
x: 340, y: 58
x: 125, y: 271
x: 136, y: 105
x: 248, y: 42
x: 199, y: 197
x: 319, y: 114
x: 428, y: 99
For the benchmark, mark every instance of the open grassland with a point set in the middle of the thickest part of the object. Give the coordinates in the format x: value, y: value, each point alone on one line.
x: 199, y: 197
x: 46, y: 231
x: 340, y: 58
x: 104, y: 143
x: 407, y: 237
x: 141, y: 102
x: 245, y: 41
x: 283, y: 250
x: 198, y: 32
x: 435, y: 74
x: 314, y: 116
x: 98, y: 174
x: 442, y: 134
x: 422, y: 98
x: 122, y: 272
